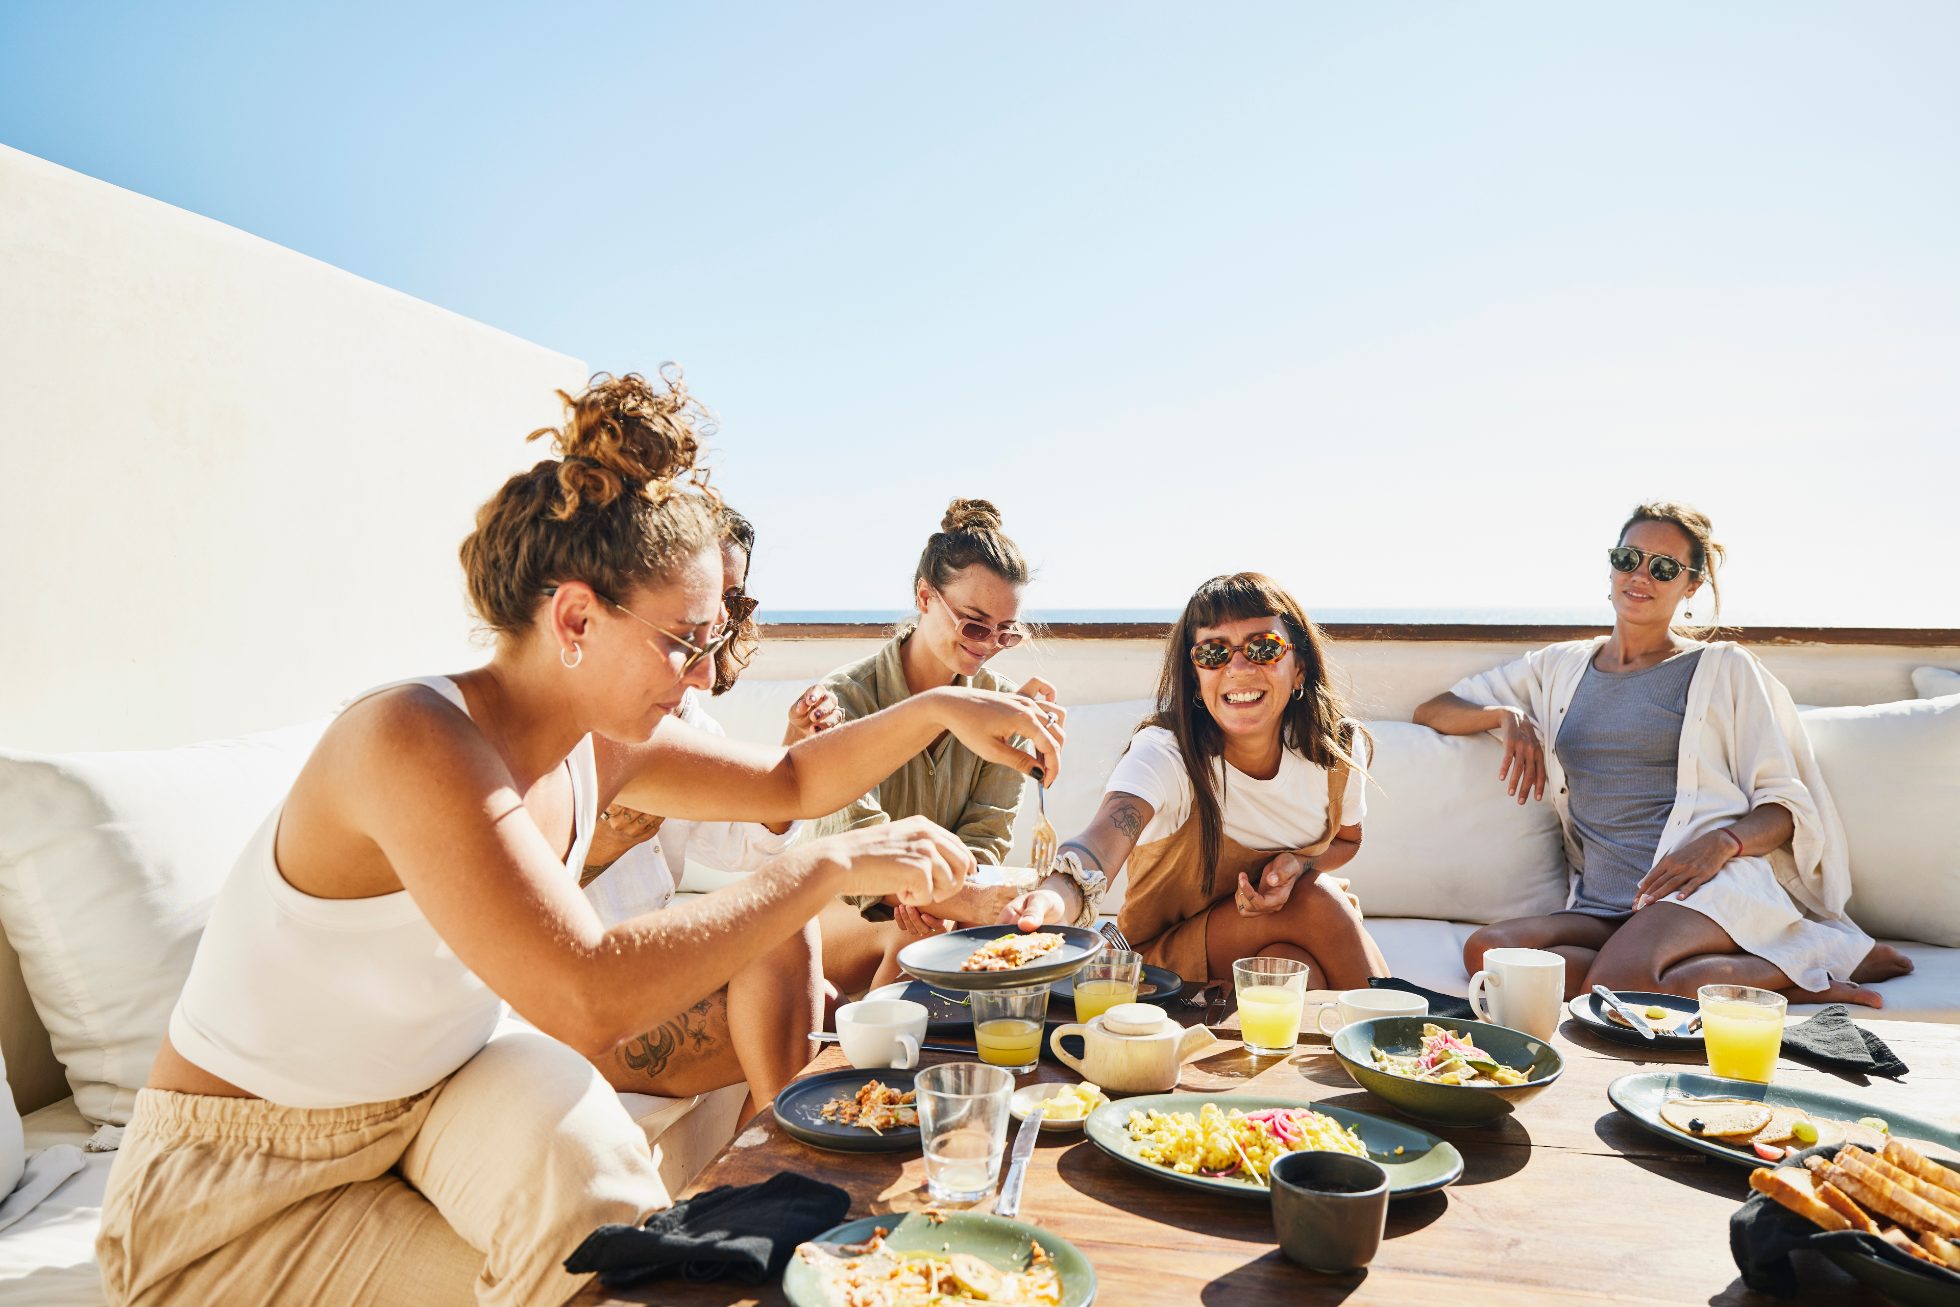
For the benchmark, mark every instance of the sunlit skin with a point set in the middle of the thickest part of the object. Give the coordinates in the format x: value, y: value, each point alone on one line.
x: 1665, y: 946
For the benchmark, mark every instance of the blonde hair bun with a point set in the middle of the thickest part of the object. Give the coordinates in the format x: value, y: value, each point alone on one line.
x: 627, y: 433
x: 970, y: 515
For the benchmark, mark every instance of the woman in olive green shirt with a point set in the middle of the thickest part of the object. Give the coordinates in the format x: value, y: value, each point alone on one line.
x: 967, y: 589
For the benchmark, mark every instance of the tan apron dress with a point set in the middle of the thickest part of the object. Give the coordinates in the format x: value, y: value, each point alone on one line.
x: 1171, y: 893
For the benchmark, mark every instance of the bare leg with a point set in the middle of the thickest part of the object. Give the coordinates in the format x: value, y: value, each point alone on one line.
x: 1883, y: 963
x: 858, y: 954
x: 1574, y: 936
x: 1318, y: 925
x: 1670, y: 948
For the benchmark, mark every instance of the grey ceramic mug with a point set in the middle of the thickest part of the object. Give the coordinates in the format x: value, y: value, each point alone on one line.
x: 1329, y: 1209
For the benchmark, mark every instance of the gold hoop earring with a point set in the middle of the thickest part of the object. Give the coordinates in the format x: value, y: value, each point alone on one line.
x: 578, y: 656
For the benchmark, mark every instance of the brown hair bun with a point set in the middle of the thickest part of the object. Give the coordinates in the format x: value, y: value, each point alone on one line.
x: 969, y: 533
x: 626, y: 504
x: 970, y: 515
x: 624, y: 433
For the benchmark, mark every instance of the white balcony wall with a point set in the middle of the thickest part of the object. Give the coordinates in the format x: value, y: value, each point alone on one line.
x: 235, y: 478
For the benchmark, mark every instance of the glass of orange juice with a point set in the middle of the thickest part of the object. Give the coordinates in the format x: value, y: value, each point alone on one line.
x: 1008, y: 1025
x: 1743, y: 1029
x: 1270, y: 992
x: 1108, y: 979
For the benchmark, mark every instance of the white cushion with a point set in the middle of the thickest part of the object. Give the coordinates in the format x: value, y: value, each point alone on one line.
x: 13, y: 1149
x: 108, y: 866
x: 1894, y: 771
x: 1443, y: 840
x: 1935, y: 682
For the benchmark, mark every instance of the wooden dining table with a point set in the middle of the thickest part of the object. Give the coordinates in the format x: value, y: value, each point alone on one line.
x: 1567, y: 1201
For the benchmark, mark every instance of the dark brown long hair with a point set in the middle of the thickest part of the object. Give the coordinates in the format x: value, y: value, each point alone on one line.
x: 733, y: 658
x: 1316, y: 724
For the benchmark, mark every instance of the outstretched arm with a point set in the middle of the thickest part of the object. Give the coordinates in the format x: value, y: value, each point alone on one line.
x: 686, y: 773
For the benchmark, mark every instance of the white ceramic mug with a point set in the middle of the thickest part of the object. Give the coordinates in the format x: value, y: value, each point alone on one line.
x: 1355, y: 1005
x: 882, y: 1032
x: 1523, y: 988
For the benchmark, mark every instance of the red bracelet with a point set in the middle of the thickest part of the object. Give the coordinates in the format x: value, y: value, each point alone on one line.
x: 1728, y: 831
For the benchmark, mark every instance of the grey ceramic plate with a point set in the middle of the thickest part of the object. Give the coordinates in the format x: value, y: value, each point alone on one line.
x: 1641, y: 1096
x: 1589, y: 1012
x: 1157, y: 985
x: 1911, y: 1285
x: 993, y: 1239
x: 937, y: 958
x: 799, y: 1110
x: 1425, y: 1163
x: 1447, y: 1104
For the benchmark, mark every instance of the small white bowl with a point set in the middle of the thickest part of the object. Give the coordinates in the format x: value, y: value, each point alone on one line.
x: 1026, y: 1100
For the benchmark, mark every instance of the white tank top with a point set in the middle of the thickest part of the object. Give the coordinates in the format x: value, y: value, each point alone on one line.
x: 313, y: 1002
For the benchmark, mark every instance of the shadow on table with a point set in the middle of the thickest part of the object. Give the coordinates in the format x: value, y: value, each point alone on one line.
x: 1482, y: 1163
x: 1253, y: 1282
x: 1136, y: 1197
x: 1681, y: 1165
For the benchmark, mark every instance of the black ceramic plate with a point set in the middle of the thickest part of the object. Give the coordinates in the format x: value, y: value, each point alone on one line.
x: 937, y: 958
x: 1158, y: 985
x: 799, y: 1110
x: 1589, y: 1012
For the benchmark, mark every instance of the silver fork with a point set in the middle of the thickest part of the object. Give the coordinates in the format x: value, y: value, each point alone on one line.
x: 1043, y: 853
x: 1115, y: 937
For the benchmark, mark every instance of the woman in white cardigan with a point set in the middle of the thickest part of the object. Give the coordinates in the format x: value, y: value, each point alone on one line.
x: 1706, y: 847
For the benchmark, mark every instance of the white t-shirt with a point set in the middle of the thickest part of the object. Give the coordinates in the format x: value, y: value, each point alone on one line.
x: 1287, y: 812
x: 646, y: 876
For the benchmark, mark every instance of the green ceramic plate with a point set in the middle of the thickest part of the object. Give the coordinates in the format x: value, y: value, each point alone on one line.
x: 1447, y: 1104
x: 1641, y: 1096
x: 993, y: 1239
x: 1426, y: 1163
x: 1917, y: 1285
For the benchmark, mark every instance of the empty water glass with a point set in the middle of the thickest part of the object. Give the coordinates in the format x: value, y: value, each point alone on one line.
x: 963, y: 1125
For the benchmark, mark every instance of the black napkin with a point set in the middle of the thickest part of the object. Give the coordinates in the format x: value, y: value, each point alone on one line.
x: 1763, y: 1234
x: 1832, y: 1041
x: 1440, y: 1005
x: 742, y: 1232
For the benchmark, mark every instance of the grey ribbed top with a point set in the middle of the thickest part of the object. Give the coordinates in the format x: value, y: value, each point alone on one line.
x: 1620, y: 746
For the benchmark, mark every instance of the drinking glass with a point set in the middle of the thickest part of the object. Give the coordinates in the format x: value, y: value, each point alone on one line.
x: 1743, y: 1029
x: 1270, y: 992
x: 963, y: 1125
x: 1007, y: 1025
x: 1110, y: 978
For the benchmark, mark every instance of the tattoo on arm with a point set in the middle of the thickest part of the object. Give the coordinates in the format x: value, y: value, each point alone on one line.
x: 1126, y: 816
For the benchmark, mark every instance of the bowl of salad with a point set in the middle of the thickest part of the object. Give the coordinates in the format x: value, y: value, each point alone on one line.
x: 1447, y: 1072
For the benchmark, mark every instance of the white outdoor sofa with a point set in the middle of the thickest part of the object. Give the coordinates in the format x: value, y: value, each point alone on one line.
x: 108, y: 862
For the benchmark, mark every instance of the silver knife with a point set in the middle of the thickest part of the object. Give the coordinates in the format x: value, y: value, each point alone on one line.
x: 1626, y: 1013
x: 1017, y: 1164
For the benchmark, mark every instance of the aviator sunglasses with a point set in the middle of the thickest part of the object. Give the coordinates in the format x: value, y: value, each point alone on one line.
x: 1262, y: 650
x: 1625, y: 558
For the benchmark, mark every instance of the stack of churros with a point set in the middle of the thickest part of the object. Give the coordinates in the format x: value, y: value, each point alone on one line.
x: 1897, y: 1194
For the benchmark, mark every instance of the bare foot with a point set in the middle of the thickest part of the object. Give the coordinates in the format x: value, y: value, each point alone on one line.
x: 1841, y: 991
x: 1883, y: 963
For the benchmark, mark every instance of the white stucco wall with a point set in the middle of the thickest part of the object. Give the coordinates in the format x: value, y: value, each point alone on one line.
x: 235, y: 477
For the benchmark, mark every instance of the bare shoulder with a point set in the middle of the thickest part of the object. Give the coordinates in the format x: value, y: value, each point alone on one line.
x: 400, y: 741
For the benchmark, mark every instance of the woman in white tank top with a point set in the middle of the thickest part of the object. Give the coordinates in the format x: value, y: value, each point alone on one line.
x: 331, y: 1118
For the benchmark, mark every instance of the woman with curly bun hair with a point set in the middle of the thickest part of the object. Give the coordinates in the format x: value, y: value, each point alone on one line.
x: 340, y: 1111
x: 966, y: 590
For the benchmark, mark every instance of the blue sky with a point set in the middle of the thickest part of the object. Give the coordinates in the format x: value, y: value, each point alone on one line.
x: 1404, y: 303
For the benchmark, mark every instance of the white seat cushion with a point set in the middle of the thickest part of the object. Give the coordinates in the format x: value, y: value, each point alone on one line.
x: 1894, y: 772
x: 108, y: 866
x: 1935, y: 682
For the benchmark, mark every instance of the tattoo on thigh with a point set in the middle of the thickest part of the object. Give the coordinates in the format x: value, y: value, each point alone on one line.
x: 650, y: 1054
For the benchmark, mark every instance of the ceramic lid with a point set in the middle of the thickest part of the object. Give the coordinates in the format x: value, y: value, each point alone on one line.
x: 1135, y: 1019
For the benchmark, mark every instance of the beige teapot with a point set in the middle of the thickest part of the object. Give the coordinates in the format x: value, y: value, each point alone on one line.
x: 1133, y: 1048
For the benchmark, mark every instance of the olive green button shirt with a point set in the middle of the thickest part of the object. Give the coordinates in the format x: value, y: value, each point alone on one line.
x: 948, y: 783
